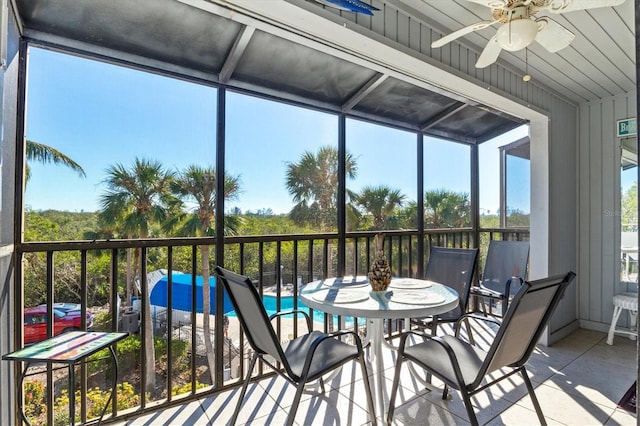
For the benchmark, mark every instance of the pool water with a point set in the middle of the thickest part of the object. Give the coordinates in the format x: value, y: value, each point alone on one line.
x: 286, y: 304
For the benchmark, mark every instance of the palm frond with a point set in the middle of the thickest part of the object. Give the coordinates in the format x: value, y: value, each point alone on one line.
x: 46, y: 154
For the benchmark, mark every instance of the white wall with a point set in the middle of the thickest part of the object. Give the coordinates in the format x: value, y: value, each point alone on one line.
x: 599, y: 201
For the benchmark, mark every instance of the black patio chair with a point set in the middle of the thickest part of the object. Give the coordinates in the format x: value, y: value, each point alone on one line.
x: 505, y: 270
x: 464, y: 367
x: 453, y: 267
x: 304, y: 359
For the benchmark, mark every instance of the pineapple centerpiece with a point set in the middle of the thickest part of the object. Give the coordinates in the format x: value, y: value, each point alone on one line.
x: 380, y: 273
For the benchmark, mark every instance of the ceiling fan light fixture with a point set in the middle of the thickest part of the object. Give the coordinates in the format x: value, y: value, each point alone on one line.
x: 517, y: 34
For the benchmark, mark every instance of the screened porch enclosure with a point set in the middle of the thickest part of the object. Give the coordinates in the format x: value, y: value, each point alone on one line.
x: 423, y: 147
x: 432, y: 207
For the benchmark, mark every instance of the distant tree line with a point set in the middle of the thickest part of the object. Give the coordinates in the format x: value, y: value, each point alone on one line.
x: 143, y: 199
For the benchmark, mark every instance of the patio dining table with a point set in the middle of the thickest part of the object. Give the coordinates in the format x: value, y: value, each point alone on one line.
x: 405, y: 298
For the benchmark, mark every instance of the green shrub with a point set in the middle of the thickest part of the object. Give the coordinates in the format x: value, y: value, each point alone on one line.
x: 185, y: 388
x: 34, y: 399
x: 127, y: 352
x: 179, y: 352
x: 102, y: 321
x: 96, y: 401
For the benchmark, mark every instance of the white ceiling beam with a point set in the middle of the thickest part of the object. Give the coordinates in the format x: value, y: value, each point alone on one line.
x: 369, y: 87
x: 239, y: 46
x: 292, y: 20
x: 443, y: 116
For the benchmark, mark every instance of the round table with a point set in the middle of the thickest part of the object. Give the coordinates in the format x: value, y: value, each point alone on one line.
x: 405, y: 298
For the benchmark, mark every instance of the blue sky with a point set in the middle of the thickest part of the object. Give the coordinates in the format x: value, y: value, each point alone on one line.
x: 101, y: 114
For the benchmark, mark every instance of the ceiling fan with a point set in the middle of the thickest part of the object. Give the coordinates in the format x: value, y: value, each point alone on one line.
x: 519, y: 27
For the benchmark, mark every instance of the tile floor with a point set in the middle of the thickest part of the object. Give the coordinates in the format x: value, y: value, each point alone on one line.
x: 578, y: 381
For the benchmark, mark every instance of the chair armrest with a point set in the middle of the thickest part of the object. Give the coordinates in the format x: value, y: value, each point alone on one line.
x: 474, y: 316
x: 341, y: 333
x: 418, y: 333
x: 507, y: 289
x: 294, y: 311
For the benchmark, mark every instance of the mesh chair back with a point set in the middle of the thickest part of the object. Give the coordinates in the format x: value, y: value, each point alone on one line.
x: 505, y: 259
x: 522, y: 326
x: 252, y: 314
x: 453, y: 267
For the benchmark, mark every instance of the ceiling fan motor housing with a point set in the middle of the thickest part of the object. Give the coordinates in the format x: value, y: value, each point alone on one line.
x: 519, y: 30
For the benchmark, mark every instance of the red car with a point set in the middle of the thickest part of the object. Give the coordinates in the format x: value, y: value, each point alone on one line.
x: 66, y: 318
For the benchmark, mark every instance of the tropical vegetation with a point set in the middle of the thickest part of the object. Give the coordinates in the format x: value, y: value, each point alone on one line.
x: 629, y: 209
x: 312, y: 183
x: 136, y: 200
x: 144, y: 199
x: 197, y: 186
x: 35, y: 151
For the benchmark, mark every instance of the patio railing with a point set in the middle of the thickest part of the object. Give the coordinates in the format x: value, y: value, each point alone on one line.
x: 278, y: 265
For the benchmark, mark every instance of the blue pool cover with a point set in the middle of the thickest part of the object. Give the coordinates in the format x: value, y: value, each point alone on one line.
x: 182, y: 293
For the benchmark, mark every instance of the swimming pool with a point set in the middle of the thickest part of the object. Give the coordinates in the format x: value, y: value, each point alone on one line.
x: 286, y: 304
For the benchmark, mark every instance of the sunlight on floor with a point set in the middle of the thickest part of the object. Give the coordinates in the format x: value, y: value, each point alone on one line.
x: 578, y: 381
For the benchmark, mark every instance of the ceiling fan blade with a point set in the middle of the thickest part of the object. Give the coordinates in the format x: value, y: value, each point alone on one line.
x: 553, y: 36
x: 562, y: 6
x: 462, y: 31
x: 490, y: 53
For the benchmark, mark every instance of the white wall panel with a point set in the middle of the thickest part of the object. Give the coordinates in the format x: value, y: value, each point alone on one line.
x: 595, y: 204
x: 562, y: 205
x: 599, y: 207
x: 609, y: 253
x: 415, y: 36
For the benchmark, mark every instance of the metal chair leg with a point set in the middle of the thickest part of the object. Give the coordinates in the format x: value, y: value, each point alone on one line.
x: 534, y: 399
x: 434, y: 330
x: 243, y: 391
x: 505, y: 305
x: 466, y: 398
x: 365, y: 379
x: 394, y: 389
x: 296, y: 401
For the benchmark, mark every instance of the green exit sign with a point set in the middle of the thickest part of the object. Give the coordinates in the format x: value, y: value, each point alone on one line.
x: 626, y: 127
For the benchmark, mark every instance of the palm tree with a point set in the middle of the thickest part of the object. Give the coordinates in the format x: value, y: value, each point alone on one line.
x: 136, y: 199
x: 45, y: 154
x: 446, y: 209
x: 381, y: 202
x: 313, y: 183
x: 198, y: 185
